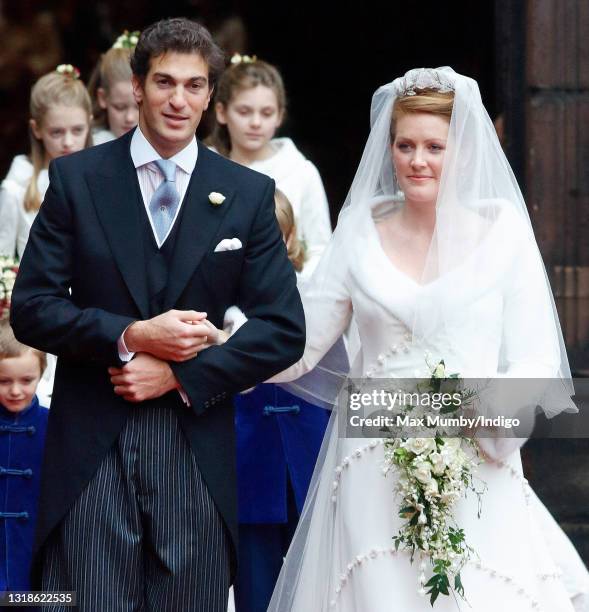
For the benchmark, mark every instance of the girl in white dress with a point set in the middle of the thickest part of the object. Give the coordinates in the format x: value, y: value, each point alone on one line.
x: 250, y: 105
x: 61, y: 113
x: 59, y: 125
x: 433, y: 254
x: 114, y: 106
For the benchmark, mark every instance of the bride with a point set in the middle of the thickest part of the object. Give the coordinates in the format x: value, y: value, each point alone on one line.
x: 433, y: 255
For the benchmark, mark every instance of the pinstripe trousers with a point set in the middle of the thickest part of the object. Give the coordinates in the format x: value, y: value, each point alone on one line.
x: 145, y: 533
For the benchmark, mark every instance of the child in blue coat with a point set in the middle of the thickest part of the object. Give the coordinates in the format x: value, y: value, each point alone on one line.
x: 23, y: 423
x: 278, y: 439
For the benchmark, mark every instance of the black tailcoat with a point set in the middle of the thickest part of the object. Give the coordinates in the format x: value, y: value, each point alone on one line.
x: 82, y: 280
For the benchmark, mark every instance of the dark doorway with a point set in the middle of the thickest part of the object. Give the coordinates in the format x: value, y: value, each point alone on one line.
x: 333, y: 56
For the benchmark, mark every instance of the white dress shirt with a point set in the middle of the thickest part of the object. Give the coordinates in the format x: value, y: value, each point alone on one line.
x: 150, y: 178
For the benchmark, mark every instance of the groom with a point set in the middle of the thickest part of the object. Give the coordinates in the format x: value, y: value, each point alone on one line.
x: 138, y: 244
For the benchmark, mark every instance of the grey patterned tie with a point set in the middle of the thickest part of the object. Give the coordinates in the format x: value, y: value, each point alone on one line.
x: 165, y: 200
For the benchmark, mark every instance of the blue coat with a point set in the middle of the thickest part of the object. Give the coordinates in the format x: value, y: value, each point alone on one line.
x: 277, y: 433
x: 22, y: 438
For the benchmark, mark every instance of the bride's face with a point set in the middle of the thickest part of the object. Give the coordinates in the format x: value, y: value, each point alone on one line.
x: 418, y: 154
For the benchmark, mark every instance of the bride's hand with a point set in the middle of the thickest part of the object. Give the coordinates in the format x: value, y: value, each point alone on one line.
x: 215, y: 336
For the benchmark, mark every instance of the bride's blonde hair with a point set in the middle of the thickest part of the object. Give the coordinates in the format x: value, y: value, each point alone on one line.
x: 422, y: 101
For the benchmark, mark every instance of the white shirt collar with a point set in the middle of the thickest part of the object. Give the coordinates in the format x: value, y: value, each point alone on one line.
x: 142, y: 153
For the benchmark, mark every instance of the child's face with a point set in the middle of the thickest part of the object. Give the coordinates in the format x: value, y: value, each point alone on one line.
x: 252, y: 118
x: 64, y: 130
x: 19, y: 377
x: 120, y: 106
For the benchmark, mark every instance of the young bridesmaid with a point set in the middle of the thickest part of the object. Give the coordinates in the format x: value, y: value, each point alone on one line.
x: 278, y: 440
x: 115, y: 109
x: 23, y: 423
x: 61, y: 113
x: 250, y: 106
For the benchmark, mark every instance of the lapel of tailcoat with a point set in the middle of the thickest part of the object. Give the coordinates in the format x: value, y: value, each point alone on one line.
x: 116, y: 194
x: 200, y: 221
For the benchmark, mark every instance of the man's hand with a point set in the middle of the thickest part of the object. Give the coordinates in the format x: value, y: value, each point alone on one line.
x: 143, y: 378
x: 176, y: 335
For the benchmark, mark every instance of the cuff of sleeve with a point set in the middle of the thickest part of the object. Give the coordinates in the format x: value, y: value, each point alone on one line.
x: 124, y: 354
x: 234, y: 318
x: 184, y: 397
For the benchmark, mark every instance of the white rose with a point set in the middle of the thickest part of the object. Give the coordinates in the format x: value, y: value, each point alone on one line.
x: 216, y: 198
x: 420, y: 446
x: 133, y: 40
x: 422, y: 470
x: 452, y: 444
x: 438, y: 463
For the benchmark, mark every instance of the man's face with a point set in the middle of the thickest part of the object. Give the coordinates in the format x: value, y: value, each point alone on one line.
x: 172, y: 100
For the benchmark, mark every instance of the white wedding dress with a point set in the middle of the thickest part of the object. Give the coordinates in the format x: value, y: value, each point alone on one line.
x: 343, y: 557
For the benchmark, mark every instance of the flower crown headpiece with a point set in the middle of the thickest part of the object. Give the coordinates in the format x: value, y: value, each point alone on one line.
x: 424, y: 78
x: 127, y: 40
x: 69, y: 71
x: 243, y: 59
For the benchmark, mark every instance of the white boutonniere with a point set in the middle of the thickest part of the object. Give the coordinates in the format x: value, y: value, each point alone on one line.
x: 216, y: 199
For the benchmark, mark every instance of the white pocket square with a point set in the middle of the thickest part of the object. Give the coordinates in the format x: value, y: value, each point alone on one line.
x: 228, y: 244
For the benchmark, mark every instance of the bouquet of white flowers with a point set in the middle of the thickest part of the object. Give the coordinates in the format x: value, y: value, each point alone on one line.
x: 434, y: 473
x: 8, y: 270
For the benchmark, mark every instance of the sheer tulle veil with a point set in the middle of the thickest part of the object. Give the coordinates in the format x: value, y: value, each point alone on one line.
x: 482, y: 230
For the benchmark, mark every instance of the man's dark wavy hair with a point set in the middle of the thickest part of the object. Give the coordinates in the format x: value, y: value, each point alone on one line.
x: 179, y: 35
